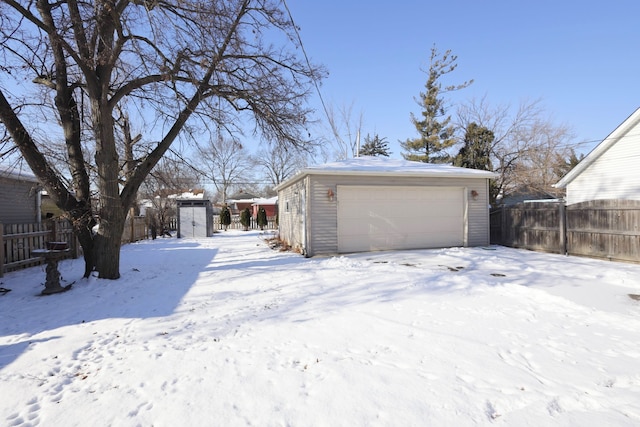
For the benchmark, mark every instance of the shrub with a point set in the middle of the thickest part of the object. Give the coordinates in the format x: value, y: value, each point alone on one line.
x: 245, y: 218
x: 262, y: 218
x: 225, y: 217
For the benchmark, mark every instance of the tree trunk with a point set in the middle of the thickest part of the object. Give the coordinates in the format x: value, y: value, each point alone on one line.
x: 107, y: 250
x: 112, y: 214
x: 85, y: 237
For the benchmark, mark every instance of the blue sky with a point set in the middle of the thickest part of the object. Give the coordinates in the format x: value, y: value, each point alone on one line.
x: 581, y: 58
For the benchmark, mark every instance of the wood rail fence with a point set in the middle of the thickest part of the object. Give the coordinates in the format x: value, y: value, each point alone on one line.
x: 17, y: 241
x: 608, y: 229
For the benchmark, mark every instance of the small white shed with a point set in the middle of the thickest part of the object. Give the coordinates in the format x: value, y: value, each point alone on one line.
x: 374, y: 203
x: 609, y: 171
x: 195, y: 218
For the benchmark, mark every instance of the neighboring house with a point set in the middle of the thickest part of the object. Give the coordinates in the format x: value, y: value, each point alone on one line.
x: 240, y: 202
x: 48, y: 206
x: 270, y: 205
x: 19, y: 197
x: 374, y: 203
x: 609, y: 171
x: 525, y: 194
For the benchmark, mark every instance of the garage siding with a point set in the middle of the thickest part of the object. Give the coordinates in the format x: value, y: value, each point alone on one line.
x: 323, y: 227
x: 323, y: 230
x: 18, y: 201
x: 478, y: 231
x: 290, y: 214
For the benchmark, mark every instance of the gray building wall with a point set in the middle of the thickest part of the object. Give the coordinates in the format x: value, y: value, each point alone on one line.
x: 19, y: 201
x: 292, y: 204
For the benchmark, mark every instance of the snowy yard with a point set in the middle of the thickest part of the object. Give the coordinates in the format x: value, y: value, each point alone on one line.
x: 227, y: 332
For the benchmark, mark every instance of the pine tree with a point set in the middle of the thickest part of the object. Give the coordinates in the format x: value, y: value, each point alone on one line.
x: 262, y: 218
x: 434, y: 127
x: 375, y: 146
x: 245, y: 218
x: 225, y: 217
x: 476, y: 151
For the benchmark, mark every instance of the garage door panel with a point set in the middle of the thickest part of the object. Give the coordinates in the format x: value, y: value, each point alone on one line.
x: 387, y: 218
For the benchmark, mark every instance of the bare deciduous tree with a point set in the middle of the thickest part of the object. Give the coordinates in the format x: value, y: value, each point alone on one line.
x: 527, y: 146
x: 171, y: 62
x: 170, y: 177
x: 279, y: 163
x: 225, y: 162
x: 346, y: 130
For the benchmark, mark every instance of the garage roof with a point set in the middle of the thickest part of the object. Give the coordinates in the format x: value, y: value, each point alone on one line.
x: 383, y: 166
x: 17, y: 173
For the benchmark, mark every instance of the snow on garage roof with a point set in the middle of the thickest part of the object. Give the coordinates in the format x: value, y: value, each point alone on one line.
x: 383, y: 166
x: 17, y: 173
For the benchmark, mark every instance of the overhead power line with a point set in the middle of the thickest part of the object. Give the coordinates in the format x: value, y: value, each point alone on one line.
x: 306, y: 58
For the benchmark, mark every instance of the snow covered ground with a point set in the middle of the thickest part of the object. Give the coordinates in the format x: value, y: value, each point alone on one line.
x: 227, y: 332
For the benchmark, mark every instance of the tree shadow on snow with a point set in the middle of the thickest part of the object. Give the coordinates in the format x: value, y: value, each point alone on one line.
x: 155, y: 275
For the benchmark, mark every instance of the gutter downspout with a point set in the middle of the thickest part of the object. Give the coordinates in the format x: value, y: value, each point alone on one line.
x: 303, y: 203
x: 39, y: 205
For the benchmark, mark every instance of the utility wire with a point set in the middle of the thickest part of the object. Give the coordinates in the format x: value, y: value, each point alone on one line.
x: 306, y: 58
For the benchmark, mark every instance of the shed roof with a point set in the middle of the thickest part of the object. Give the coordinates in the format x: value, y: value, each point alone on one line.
x: 383, y: 166
x: 632, y: 121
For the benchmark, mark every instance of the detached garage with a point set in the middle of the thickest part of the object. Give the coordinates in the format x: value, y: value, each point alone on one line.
x: 375, y: 204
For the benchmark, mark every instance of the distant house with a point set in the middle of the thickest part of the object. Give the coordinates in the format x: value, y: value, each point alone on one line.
x: 239, y: 202
x: 525, y: 194
x: 270, y: 205
x: 374, y: 203
x: 20, y: 198
x: 609, y: 171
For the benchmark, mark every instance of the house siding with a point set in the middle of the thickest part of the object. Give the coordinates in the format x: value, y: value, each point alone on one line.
x: 18, y: 201
x: 613, y: 175
x: 322, y: 230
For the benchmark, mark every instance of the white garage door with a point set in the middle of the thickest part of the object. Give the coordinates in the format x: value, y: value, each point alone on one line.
x: 372, y: 218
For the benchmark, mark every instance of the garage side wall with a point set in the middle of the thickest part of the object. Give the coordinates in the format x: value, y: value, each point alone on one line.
x: 291, y: 209
x: 18, y: 201
x: 323, y: 211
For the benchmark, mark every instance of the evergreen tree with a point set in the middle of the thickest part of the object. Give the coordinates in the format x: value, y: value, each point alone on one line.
x: 225, y: 217
x: 476, y: 151
x: 245, y: 218
x: 375, y: 146
x: 262, y: 218
x: 434, y: 127
x: 565, y: 165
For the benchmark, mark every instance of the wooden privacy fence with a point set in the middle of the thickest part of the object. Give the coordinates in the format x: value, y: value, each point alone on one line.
x: 608, y: 229
x: 17, y: 241
x: 135, y: 228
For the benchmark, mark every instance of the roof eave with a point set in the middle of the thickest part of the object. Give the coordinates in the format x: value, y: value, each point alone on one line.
x: 600, y: 149
x: 422, y: 174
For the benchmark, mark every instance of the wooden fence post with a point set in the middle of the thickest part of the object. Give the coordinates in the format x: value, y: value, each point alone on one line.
x: 562, y: 214
x: 503, y: 225
x: 1, y: 250
x: 53, y: 223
